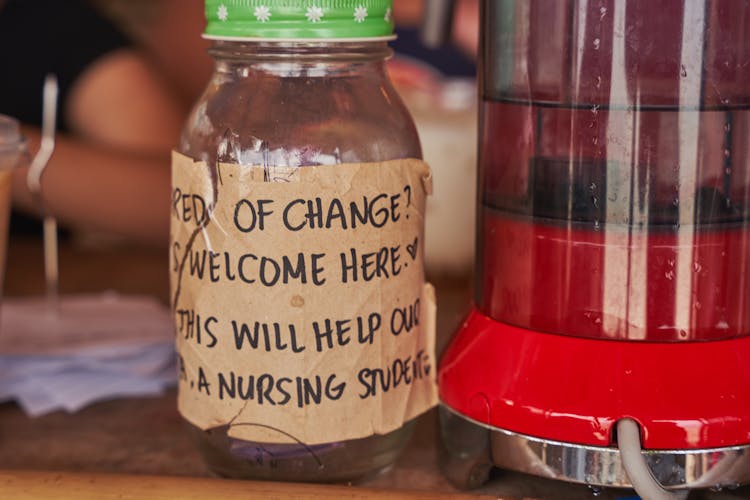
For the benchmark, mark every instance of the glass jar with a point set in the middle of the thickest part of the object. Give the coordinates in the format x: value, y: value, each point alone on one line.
x: 296, y: 103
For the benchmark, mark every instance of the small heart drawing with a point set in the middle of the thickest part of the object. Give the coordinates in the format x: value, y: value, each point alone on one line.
x: 412, y: 249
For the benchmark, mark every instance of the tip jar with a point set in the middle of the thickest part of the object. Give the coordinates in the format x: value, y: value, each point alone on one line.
x: 304, y: 324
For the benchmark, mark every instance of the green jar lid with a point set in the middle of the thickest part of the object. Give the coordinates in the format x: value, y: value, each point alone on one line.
x: 331, y: 20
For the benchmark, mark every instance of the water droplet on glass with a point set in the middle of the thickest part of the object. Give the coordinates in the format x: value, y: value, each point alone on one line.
x: 595, y: 140
x: 595, y: 109
x: 716, y: 488
x: 728, y: 127
x: 592, y: 186
x: 683, y: 71
x: 602, y: 12
x: 683, y: 333
x: 598, y: 81
x: 595, y: 201
x: 628, y: 372
x: 676, y: 202
x: 597, y: 42
x: 725, y: 101
x: 728, y: 171
x: 595, y: 490
x: 727, y: 153
x: 697, y: 267
x: 669, y: 275
x: 697, y: 306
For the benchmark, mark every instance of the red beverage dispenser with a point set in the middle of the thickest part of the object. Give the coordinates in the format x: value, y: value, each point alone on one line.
x: 610, y: 339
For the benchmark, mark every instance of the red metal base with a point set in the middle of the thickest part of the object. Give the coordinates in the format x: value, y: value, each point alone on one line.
x: 685, y: 395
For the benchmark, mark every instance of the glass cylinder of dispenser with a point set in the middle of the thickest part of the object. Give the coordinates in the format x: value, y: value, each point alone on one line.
x: 615, y: 168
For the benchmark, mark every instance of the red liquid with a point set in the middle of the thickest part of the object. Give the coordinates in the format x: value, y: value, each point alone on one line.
x: 663, y: 286
x: 616, y: 224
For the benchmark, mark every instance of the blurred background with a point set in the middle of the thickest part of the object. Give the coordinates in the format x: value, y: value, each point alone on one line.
x: 129, y: 71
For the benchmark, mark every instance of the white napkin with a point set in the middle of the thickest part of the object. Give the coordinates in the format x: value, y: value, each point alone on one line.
x: 94, y: 348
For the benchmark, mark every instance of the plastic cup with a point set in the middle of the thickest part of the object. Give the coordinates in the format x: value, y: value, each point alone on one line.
x: 12, y: 153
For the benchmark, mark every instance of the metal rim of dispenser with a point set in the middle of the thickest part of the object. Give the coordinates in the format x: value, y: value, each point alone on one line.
x: 560, y: 416
x: 593, y: 466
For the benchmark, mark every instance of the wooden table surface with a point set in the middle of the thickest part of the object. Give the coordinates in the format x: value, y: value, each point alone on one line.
x: 145, y: 436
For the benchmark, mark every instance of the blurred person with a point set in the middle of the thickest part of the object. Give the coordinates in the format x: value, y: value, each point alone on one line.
x: 123, y: 98
x: 128, y: 70
x: 464, y: 27
x: 415, y: 66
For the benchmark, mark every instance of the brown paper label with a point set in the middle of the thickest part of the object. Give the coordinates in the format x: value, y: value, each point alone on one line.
x: 301, y: 310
